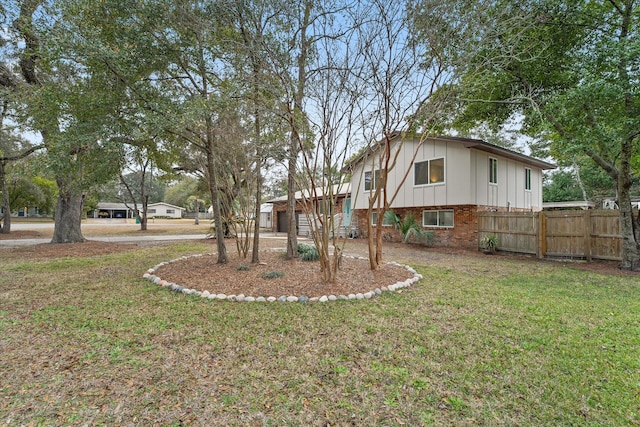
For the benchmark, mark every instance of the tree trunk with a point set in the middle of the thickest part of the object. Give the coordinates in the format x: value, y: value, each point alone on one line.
x: 379, y: 234
x: 374, y: 243
x: 371, y: 247
x: 255, y: 255
x: 630, y: 250
x: 292, y: 237
x: 579, y: 179
x: 143, y: 220
x: 215, y: 198
x: 68, y: 217
x: 197, y: 211
x: 6, y: 206
x: 219, y: 224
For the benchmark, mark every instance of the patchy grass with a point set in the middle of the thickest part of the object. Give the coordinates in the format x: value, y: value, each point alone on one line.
x: 483, y: 341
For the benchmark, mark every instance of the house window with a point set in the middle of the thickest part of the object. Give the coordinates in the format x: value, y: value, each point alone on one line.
x: 152, y: 211
x: 527, y: 178
x: 428, y: 172
x: 368, y: 185
x: 493, y: 171
x: 171, y: 211
x: 443, y: 218
x: 386, y: 222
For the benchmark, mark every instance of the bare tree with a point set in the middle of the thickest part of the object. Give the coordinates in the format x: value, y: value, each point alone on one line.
x: 406, y: 83
x: 332, y: 101
x: 255, y: 23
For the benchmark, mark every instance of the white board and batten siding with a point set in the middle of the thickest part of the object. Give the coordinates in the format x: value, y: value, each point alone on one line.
x: 466, y: 172
x: 510, y: 189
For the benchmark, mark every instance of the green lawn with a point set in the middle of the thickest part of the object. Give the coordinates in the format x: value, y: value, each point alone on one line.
x: 483, y: 341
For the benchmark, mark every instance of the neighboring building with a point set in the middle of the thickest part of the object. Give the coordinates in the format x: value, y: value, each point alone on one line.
x: 122, y: 210
x: 164, y: 210
x: 266, y: 216
x: 569, y: 205
x: 107, y: 210
x: 449, y: 181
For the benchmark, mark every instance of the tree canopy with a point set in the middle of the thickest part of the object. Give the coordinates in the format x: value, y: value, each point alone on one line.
x: 570, y: 71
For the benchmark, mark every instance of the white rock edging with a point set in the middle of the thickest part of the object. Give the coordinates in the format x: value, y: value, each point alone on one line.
x: 151, y: 276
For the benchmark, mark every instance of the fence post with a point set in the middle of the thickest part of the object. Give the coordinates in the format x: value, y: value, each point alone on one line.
x: 542, y: 235
x: 587, y: 234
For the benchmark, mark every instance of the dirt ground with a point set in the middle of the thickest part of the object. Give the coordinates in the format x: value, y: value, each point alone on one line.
x: 299, y: 277
x: 25, y: 234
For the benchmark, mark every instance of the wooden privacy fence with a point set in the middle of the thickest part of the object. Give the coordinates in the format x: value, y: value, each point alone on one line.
x: 586, y: 234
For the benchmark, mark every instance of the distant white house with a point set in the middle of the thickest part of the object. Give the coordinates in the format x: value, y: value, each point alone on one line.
x: 266, y: 215
x: 165, y: 210
x: 121, y: 210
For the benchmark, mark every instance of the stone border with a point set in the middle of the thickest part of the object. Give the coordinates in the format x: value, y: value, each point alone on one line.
x: 149, y: 275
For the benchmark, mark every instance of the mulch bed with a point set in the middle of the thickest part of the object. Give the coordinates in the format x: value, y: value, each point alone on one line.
x: 296, y: 277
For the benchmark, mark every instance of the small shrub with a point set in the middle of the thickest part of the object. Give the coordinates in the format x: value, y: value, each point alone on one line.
x: 308, y: 252
x: 243, y: 268
x: 273, y: 275
x: 302, y: 248
x: 408, y: 227
x: 489, y: 243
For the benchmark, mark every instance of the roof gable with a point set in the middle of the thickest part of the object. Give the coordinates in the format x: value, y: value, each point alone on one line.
x: 169, y: 205
x: 337, y: 190
x: 470, y: 143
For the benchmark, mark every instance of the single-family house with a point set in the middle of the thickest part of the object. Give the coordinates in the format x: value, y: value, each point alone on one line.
x: 448, y: 182
x: 123, y: 210
x: 164, y: 210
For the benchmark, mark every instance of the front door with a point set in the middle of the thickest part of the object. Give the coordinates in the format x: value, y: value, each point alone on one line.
x: 346, y: 219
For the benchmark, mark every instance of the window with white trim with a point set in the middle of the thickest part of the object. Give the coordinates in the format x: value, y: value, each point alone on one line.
x: 437, y: 218
x: 527, y: 179
x: 428, y: 172
x: 368, y: 184
x: 171, y: 211
x: 151, y: 210
x: 493, y: 170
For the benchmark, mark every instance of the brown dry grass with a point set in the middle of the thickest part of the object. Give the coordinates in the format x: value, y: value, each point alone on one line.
x: 95, y: 228
x: 480, y: 341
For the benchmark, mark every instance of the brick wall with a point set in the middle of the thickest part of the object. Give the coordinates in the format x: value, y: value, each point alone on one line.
x: 464, y: 233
